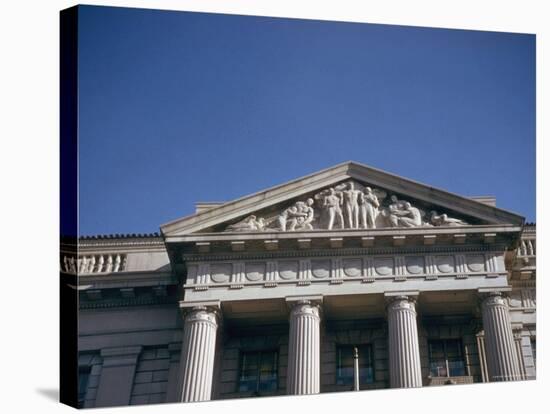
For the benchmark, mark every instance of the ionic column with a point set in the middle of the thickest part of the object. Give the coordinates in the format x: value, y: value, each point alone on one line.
x: 404, y: 351
x: 303, y: 349
x: 198, y: 352
x: 502, y: 358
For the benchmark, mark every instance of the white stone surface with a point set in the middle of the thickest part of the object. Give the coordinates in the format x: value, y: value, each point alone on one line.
x: 502, y: 357
x: 198, y: 353
x: 303, y: 349
x: 404, y: 352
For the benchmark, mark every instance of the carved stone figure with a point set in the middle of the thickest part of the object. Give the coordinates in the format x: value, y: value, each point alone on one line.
x: 332, y: 203
x: 444, y: 220
x: 350, y: 197
x: 368, y: 208
x: 290, y: 215
x: 402, y: 214
x: 250, y: 223
x: 303, y: 222
x: 391, y: 212
x: 413, y: 217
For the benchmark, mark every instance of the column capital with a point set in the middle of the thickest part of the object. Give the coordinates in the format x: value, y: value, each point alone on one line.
x: 303, y: 305
x: 496, y: 291
x: 207, y: 311
x: 405, y: 300
x: 493, y: 296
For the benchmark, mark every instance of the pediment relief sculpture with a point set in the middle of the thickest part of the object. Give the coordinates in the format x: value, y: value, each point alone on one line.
x: 348, y: 205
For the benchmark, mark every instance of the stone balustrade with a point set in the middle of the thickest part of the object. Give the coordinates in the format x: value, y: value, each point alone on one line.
x: 527, y: 247
x: 97, y: 263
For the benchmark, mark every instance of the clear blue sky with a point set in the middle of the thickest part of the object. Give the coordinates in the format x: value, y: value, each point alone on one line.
x: 182, y: 107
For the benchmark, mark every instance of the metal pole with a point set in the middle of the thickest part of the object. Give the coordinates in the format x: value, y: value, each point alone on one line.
x: 355, y: 369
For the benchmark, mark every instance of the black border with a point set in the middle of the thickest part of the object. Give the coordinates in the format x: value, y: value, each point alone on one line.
x: 68, y: 292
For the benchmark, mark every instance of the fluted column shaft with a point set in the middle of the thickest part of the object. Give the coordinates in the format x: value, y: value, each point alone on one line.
x: 404, y: 351
x: 303, y: 349
x: 502, y: 358
x: 197, y: 354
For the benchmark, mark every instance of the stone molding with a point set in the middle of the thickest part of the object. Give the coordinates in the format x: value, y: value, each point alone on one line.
x: 120, y: 356
x: 257, y: 255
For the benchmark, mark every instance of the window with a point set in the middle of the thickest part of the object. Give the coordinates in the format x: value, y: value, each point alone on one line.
x: 345, y: 364
x: 446, y: 358
x: 83, y: 377
x: 258, y: 371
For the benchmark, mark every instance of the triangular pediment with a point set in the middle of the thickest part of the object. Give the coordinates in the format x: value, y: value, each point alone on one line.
x: 347, y: 196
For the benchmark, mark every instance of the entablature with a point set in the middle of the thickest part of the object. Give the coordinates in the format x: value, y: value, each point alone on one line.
x: 442, y: 237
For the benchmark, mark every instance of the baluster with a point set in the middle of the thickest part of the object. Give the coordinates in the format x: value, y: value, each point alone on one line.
x: 529, y: 248
x: 91, y: 264
x: 109, y: 267
x: 100, y: 262
x: 117, y: 263
x: 83, y: 264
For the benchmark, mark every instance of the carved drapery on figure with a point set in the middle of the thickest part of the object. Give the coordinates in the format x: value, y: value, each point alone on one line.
x: 348, y: 205
x: 251, y: 223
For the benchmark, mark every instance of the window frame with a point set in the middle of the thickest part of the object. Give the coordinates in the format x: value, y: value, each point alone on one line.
x: 445, y: 342
x: 362, y: 384
x: 258, y: 353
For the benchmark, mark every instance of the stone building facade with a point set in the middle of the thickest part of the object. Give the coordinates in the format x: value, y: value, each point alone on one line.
x: 348, y: 279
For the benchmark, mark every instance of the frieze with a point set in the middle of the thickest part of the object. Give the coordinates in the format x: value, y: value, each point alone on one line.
x: 348, y: 205
x: 335, y: 270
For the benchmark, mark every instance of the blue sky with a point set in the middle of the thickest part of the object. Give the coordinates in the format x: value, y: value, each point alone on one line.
x: 179, y: 107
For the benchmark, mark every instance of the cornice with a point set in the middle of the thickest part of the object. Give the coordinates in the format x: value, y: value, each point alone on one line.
x: 347, y: 233
x: 120, y: 243
x: 126, y: 302
x: 343, y: 252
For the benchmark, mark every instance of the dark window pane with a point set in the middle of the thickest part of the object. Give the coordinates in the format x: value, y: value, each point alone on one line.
x: 345, y: 364
x: 446, y: 358
x: 438, y: 369
x: 456, y: 368
x: 258, y: 371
